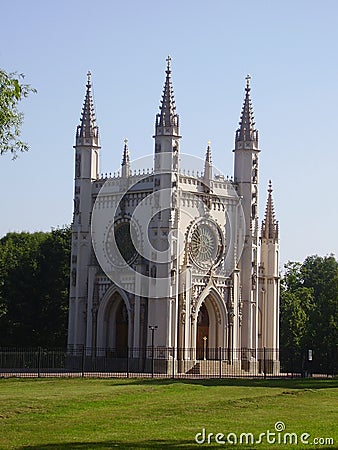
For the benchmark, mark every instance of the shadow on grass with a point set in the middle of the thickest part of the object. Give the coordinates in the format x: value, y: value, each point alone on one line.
x: 290, y: 383
x: 158, y: 444
x: 301, y: 383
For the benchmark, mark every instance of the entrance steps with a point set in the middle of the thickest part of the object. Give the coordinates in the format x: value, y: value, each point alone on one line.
x: 217, y: 368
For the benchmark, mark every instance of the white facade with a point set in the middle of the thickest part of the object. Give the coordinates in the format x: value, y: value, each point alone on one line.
x: 172, y: 250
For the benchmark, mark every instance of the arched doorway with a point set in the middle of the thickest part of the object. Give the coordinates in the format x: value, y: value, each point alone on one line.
x: 117, y: 325
x: 210, y: 323
x: 121, y: 327
x: 202, y: 335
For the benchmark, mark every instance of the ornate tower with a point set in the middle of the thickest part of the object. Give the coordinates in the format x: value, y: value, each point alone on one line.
x: 269, y: 281
x: 246, y: 177
x: 86, y: 170
x: 163, y: 284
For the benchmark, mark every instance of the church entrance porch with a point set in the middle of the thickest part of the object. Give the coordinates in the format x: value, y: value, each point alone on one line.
x: 208, y: 331
x: 113, y: 325
x: 211, y: 328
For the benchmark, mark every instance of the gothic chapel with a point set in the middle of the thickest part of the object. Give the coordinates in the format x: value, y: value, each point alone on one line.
x: 173, y: 260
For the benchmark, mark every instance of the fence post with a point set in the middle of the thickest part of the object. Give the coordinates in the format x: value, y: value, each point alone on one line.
x: 220, y: 361
x: 264, y: 367
x: 127, y: 362
x: 152, y: 328
x: 152, y: 359
x: 173, y: 363
x: 39, y: 362
x: 83, y: 362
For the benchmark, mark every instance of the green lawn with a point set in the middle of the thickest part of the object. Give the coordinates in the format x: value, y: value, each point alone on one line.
x: 159, y: 414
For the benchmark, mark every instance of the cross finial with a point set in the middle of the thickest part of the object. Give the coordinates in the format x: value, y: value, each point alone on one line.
x: 125, y: 141
x: 209, y: 143
x: 248, y: 78
x: 168, y: 63
x: 270, y: 187
x: 89, y: 75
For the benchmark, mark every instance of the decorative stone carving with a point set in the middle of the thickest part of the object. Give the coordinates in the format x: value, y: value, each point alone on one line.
x: 254, y: 280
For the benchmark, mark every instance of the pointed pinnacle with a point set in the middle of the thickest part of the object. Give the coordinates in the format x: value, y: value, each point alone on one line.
x: 88, y: 128
x: 208, y: 154
x: 269, y: 224
x: 167, y: 116
x: 126, y: 155
x: 246, y: 130
x: 207, y: 169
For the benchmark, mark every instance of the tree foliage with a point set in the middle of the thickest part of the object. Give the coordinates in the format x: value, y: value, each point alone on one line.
x: 12, y: 91
x: 34, y: 280
x: 309, y: 307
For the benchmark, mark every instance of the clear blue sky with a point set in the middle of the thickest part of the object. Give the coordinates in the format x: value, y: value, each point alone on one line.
x: 288, y: 47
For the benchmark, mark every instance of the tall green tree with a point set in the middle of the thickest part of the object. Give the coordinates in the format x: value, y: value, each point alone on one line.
x: 34, y: 280
x: 295, y: 333
x: 12, y: 91
x: 321, y: 274
x: 309, y: 308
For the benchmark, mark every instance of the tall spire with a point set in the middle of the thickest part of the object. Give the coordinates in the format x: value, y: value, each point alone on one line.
x: 88, y: 128
x: 269, y: 224
x: 246, y: 131
x: 167, y: 117
x: 208, y: 161
x: 207, y: 177
x: 125, y: 160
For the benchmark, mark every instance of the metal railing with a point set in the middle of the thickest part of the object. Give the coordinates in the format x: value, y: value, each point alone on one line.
x: 170, y: 362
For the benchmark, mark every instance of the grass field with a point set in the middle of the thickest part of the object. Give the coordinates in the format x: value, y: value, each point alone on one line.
x: 143, y: 414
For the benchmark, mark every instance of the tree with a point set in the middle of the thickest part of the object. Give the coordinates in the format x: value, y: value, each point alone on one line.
x: 53, y: 262
x: 321, y: 274
x: 34, y: 280
x: 309, y: 309
x: 12, y: 91
x: 295, y: 319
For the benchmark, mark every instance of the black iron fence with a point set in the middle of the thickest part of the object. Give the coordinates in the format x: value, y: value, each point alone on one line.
x: 166, y: 362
